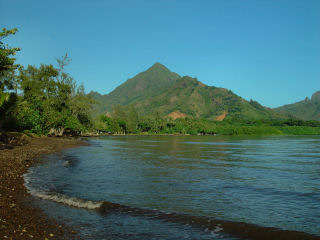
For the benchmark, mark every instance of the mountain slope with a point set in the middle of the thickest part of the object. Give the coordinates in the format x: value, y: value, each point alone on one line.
x: 193, y: 98
x: 159, y: 89
x: 308, y: 109
x: 144, y: 85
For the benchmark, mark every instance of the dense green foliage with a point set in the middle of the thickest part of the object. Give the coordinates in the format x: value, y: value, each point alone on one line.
x: 7, y: 68
x: 308, y: 109
x: 41, y: 99
x: 128, y: 121
x: 6, y: 52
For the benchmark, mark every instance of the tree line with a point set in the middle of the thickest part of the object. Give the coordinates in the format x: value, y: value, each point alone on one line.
x: 42, y: 100
x: 127, y: 120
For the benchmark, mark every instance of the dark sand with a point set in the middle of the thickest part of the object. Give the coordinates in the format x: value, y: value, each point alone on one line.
x: 18, y: 218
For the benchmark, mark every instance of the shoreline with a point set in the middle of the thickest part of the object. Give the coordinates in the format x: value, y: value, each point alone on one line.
x: 19, y: 219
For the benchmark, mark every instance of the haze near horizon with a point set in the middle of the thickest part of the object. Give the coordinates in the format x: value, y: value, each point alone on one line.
x: 264, y: 50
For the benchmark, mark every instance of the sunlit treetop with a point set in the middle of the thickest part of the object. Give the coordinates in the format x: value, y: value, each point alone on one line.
x: 6, y: 52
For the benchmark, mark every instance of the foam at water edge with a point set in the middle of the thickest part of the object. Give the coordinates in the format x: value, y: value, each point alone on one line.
x: 60, y: 198
x: 74, y: 202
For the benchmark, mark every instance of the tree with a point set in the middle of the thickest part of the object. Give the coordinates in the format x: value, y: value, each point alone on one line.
x: 37, y: 108
x: 51, y: 100
x: 6, y: 52
x: 7, y: 76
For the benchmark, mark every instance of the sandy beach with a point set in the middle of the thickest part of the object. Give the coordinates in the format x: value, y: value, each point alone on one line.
x: 18, y: 218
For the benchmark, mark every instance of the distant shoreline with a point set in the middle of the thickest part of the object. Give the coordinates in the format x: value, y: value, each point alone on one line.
x: 214, y: 135
x: 18, y: 218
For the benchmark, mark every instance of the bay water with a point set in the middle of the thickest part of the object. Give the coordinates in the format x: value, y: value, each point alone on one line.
x: 184, y: 187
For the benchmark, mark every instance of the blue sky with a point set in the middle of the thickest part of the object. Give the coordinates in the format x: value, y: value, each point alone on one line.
x: 265, y: 50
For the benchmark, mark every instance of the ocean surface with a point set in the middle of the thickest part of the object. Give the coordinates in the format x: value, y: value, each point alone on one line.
x: 184, y: 187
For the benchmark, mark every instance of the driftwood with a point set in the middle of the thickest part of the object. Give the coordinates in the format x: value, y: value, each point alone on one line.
x: 56, y: 132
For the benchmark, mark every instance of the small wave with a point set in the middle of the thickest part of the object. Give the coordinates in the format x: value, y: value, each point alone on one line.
x: 60, y: 198
x: 70, y: 201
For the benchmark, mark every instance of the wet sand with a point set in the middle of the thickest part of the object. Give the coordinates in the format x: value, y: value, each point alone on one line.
x: 18, y: 218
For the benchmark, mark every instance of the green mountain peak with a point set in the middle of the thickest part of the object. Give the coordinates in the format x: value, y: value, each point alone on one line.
x: 157, y: 70
x: 158, y: 65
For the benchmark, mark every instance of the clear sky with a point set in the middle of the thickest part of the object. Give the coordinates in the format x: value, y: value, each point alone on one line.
x: 268, y: 51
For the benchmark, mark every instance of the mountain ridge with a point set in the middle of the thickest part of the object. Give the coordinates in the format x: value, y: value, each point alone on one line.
x: 307, y: 109
x: 193, y: 98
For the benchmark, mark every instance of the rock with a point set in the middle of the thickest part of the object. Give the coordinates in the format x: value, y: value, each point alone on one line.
x: 315, y: 97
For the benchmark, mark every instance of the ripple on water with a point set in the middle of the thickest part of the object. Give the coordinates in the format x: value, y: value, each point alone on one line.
x: 181, y: 181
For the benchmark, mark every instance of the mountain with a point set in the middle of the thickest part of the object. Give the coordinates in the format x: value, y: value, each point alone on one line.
x: 159, y: 89
x: 308, y: 109
x: 147, y: 84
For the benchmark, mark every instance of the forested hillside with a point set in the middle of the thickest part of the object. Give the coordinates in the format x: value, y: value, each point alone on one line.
x: 195, y: 99
x: 159, y: 89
